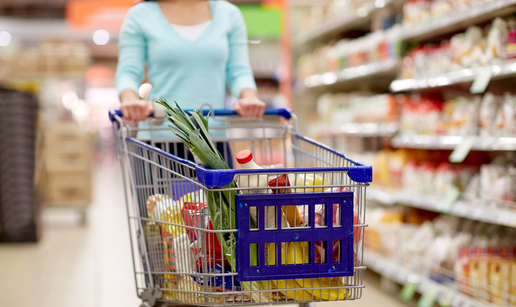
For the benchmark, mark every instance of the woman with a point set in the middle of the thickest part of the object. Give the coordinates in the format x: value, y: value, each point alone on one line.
x: 192, y: 49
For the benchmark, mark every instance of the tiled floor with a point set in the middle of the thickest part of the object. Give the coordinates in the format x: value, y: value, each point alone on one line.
x: 90, y: 266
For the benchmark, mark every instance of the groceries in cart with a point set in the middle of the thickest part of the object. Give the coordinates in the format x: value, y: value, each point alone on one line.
x: 193, y: 233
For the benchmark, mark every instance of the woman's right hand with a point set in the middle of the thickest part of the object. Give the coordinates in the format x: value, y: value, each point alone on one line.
x: 133, y: 108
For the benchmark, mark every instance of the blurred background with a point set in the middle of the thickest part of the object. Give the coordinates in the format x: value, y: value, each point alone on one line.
x: 422, y: 90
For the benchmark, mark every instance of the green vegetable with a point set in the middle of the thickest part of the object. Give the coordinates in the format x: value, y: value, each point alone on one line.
x: 193, y: 130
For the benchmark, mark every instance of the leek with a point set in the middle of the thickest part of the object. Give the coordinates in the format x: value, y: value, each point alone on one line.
x: 193, y: 130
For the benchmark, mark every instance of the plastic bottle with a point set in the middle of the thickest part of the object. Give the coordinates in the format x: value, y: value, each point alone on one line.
x: 246, y: 161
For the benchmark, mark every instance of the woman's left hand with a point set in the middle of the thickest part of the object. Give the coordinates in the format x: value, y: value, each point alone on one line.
x: 249, y: 105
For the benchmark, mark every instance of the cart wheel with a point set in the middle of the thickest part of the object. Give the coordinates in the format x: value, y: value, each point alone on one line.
x: 307, y: 305
x: 149, y: 297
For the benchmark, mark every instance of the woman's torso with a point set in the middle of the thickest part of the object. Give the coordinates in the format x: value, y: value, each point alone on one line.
x: 191, y: 72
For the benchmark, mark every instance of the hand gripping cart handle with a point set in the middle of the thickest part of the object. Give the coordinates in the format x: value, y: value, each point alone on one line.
x: 291, y: 232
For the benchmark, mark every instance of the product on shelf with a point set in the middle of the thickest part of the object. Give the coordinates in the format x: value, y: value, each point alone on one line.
x: 494, y: 185
x: 479, y: 259
x: 461, y: 116
x: 333, y: 10
x: 470, y: 49
x: 49, y: 57
x: 429, y: 174
x: 337, y: 109
x: 377, y: 46
x: 421, y: 12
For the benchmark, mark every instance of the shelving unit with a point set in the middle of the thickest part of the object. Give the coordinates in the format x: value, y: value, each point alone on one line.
x: 355, y: 74
x: 364, y: 78
x: 401, y: 275
x: 364, y: 129
x: 480, y: 12
x: 474, y: 210
x: 359, y: 18
x: 450, y: 142
x: 501, y: 71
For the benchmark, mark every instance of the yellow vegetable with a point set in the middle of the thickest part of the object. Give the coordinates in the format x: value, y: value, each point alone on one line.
x: 298, y: 253
x: 298, y: 295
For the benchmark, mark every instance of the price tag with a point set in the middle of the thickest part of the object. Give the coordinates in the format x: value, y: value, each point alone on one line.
x: 481, y: 82
x: 428, y: 298
x: 462, y: 150
x: 450, y: 198
x: 409, y: 288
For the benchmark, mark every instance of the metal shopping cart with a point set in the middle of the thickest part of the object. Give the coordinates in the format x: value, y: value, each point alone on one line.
x: 276, y: 257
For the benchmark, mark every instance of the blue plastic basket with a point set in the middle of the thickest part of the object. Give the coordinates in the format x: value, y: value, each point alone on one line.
x: 329, y: 233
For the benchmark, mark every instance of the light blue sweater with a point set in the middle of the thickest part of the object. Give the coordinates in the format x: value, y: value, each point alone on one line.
x: 189, y: 72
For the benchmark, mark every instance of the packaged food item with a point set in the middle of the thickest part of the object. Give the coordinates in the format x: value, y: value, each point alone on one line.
x: 509, y: 115
x: 246, y: 161
x: 510, y: 46
x: 488, y: 110
x: 169, y: 211
x: 306, y: 181
x: 228, y: 283
x: 278, y: 184
x: 496, y: 39
x: 196, y: 215
x: 161, y: 208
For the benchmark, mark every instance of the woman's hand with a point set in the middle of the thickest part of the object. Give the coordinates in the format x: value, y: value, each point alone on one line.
x: 249, y: 105
x: 133, y: 108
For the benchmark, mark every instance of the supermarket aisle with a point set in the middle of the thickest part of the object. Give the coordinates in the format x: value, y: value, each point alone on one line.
x: 75, y: 266
x: 90, y: 266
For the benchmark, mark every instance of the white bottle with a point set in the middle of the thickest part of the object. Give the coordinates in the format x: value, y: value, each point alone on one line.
x: 246, y: 161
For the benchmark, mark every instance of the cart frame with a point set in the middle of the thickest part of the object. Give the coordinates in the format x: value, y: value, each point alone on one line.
x: 149, y: 169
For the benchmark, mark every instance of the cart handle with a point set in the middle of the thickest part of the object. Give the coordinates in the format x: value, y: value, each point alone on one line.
x: 284, y: 112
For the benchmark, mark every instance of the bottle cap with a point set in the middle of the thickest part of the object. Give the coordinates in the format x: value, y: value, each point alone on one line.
x: 244, y: 156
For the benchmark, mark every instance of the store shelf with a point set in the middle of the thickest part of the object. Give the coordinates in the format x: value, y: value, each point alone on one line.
x: 500, y: 71
x: 364, y: 130
x: 401, y: 275
x: 361, y: 72
x: 460, y: 20
x: 359, y: 18
x: 450, y: 142
x: 476, y: 210
x: 35, y: 30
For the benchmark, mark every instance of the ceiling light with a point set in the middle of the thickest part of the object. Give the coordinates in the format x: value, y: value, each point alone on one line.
x: 5, y: 38
x: 101, y: 37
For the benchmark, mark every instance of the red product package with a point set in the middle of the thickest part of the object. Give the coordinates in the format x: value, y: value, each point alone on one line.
x: 278, y: 182
x: 192, y: 217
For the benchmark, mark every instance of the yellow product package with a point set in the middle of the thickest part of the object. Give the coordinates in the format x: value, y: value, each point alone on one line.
x: 306, y: 181
x: 169, y: 211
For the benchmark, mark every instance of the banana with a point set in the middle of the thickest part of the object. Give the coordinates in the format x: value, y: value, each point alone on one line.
x: 298, y: 295
x: 298, y: 254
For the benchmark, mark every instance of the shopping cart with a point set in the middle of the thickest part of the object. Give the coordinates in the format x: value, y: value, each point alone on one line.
x: 180, y: 257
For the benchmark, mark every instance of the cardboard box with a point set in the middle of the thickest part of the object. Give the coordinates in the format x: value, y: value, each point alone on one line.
x: 68, y: 162
x: 69, y: 187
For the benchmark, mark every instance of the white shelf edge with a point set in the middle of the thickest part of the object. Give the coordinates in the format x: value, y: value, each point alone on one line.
x: 450, y: 142
x: 461, y: 208
x: 441, y: 23
x: 363, y: 129
x: 502, y: 70
x: 400, y: 274
x: 352, y: 73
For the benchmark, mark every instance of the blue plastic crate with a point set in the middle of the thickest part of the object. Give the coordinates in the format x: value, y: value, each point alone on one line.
x: 247, y: 236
